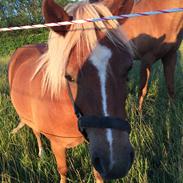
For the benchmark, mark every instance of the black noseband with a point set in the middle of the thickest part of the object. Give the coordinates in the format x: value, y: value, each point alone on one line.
x: 104, y: 122
x: 86, y: 122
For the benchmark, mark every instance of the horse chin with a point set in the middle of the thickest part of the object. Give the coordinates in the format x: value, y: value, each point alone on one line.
x: 112, y: 176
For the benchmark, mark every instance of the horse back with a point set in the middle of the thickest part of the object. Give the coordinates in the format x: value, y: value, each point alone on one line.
x: 159, y: 34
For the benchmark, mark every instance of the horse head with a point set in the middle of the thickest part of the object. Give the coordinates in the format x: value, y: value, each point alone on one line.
x: 93, y: 61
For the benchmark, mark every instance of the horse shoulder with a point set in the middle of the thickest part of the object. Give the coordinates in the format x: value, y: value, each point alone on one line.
x: 22, y: 55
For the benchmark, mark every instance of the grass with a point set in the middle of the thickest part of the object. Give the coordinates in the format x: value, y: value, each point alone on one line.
x: 156, y: 137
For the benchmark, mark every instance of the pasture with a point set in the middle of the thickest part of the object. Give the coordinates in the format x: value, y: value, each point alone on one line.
x: 156, y: 137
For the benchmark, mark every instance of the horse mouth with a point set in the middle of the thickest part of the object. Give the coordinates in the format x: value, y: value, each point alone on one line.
x: 113, y: 176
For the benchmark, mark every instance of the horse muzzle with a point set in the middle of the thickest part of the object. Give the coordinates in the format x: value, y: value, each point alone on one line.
x: 100, y: 150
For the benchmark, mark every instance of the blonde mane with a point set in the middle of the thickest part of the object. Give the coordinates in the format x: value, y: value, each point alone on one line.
x: 55, y: 60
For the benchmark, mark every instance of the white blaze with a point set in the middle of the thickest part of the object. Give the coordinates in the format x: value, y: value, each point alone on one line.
x: 100, y: 58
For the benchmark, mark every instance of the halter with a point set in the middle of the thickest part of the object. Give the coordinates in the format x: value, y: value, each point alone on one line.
x: 103, y: 122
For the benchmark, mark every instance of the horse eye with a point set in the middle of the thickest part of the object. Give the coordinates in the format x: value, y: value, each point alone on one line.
x: 69, y: 78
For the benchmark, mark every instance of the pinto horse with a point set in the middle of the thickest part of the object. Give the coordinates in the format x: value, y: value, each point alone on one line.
x: 155, y: 37
x: 75, y: 87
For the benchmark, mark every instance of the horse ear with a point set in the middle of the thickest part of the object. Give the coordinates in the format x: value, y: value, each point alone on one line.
x: 118, y: 7
x: 53, y: 13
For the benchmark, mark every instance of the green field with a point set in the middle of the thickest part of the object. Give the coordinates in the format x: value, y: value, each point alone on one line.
x: 156, y: 136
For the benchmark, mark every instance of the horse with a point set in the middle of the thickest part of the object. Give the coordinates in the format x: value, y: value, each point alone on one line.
x: 74, y: 88
x: 155, y: 37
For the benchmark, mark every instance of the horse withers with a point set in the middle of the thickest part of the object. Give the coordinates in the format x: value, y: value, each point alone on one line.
x: 155, y: 37
x: 77, y: 86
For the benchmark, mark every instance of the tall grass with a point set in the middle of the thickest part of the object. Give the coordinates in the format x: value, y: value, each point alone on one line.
x: 156, y: 137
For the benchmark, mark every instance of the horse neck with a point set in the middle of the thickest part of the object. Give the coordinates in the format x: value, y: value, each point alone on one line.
x: 150, y: 5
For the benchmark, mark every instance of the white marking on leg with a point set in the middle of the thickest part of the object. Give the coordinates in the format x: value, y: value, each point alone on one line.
x: 40, y: 147
x: 100, y: 59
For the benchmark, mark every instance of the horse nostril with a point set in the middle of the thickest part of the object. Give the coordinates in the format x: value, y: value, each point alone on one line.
x: 97, y: 164
x: 132, y: 154
x: 97, y: 160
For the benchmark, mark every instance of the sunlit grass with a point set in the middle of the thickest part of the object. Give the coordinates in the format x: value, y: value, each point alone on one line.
x: 156, y: 137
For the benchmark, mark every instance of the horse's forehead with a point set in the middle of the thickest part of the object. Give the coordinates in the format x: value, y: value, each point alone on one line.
x: 105, y: 57
x: 100, y: 57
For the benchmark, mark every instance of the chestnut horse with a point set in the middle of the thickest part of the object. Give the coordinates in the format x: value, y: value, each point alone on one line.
x: 155, y: 37
x: 76, y: 86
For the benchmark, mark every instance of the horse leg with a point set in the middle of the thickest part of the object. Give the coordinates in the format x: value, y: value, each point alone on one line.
x: 144, y: 78
x: 40, y: 147
x: 98, y: 178
x: 169, y: 64
x: 60, y: 156
x: 20, y: 125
